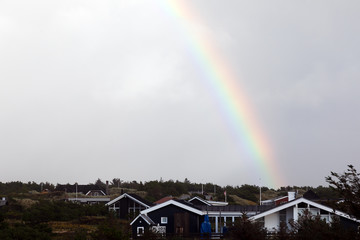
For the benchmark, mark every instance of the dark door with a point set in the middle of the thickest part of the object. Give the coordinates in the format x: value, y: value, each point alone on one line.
x: 181, y: 224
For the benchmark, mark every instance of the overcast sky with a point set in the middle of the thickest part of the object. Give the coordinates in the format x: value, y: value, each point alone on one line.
x: 110, y: 89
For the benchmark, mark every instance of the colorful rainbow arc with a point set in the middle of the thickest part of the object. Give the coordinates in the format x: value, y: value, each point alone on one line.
x: 228, y: 91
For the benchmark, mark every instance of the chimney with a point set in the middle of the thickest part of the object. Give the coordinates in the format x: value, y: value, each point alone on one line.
x: 107, y: 188
x: 291, y: 196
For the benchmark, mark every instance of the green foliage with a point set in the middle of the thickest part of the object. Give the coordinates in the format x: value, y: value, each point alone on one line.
x: 19, y: 187
x: 326, y: 193
x: 310, y: 227
x: 244, y: 229
x: 46, y: 211
x: 24, y: 232
x: 80, y: 234
x: 110, y: 230
x: 348, y: 187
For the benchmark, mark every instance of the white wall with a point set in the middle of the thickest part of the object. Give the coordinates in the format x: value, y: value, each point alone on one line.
x: 272, y: 221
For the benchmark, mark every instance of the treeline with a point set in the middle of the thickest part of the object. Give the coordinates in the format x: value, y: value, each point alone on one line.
x: 158, y: 188
x: 20, y: 187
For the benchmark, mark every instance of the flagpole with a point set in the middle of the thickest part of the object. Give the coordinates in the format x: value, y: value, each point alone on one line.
x: 260, y: 192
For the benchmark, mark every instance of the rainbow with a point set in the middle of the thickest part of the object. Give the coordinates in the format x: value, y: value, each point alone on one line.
x: 227, y: 89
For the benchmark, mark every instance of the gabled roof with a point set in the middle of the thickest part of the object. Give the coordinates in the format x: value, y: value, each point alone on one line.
x: 133, y: 197
x: 208, y: 202
x: 146, y: 219
x: 177, y: 203
x: 303, y: 200
x: 100, y: 191
x: 201, y: 200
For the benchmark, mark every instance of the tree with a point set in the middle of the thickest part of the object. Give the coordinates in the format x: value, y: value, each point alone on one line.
x: 348, y: 186
x: 100, y: 183
x: 246, y: 229
x: 116, y: 182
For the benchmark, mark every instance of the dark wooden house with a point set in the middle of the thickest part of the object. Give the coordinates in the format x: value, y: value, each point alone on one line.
x: 174, y: 216
x: 128, y: 205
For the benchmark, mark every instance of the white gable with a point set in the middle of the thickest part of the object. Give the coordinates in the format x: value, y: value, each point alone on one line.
x: 175, y: 203
x: 128, y: 196
x: 306, y: 201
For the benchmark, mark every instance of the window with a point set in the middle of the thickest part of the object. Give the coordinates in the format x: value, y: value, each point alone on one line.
x: 140, y: 231
x: 164, y: 220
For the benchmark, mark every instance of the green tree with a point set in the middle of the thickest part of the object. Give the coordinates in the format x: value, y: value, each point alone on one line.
x: 309, y: 227
x: 244, y: 229
x: 110, y: 230
x: 347, y: 185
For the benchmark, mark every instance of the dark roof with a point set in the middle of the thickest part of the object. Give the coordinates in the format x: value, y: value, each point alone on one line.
x: 237, y: 208
x: 137, y: 197
x: 71, y: 188
x: 189, y: 204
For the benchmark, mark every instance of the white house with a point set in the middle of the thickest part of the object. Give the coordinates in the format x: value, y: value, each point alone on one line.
x: 293, y: 209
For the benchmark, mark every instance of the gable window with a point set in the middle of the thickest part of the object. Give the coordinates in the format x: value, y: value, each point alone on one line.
x: 164, y: 220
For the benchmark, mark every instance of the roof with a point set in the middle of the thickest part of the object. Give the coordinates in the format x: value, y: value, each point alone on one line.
x: 217, y: 203
x: 89, y: 200
x: 209, y: 203
x: 307, y: 201
x: 146, y: 218
x: 181, y: 204
x: 133, y: 197
x: 164, y: 199
x: 200, y: 199
x: 71, y: 188
x: 237, y: 208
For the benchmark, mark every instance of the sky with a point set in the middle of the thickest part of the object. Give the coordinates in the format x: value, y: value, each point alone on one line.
x: 227, y: 92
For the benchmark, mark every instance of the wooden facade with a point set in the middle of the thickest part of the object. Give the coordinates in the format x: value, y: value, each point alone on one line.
x: 128, y: 206
x: 177, y: 217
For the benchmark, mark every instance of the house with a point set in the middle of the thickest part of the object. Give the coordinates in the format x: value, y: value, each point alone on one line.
x: 176, y: 216
x: 220, y: 216
x: 89, y: 200
x: 170, y: 217
x: 293, y: 209
x: 127, y: 205
x: 280, y: 200
x: 87, y: 190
